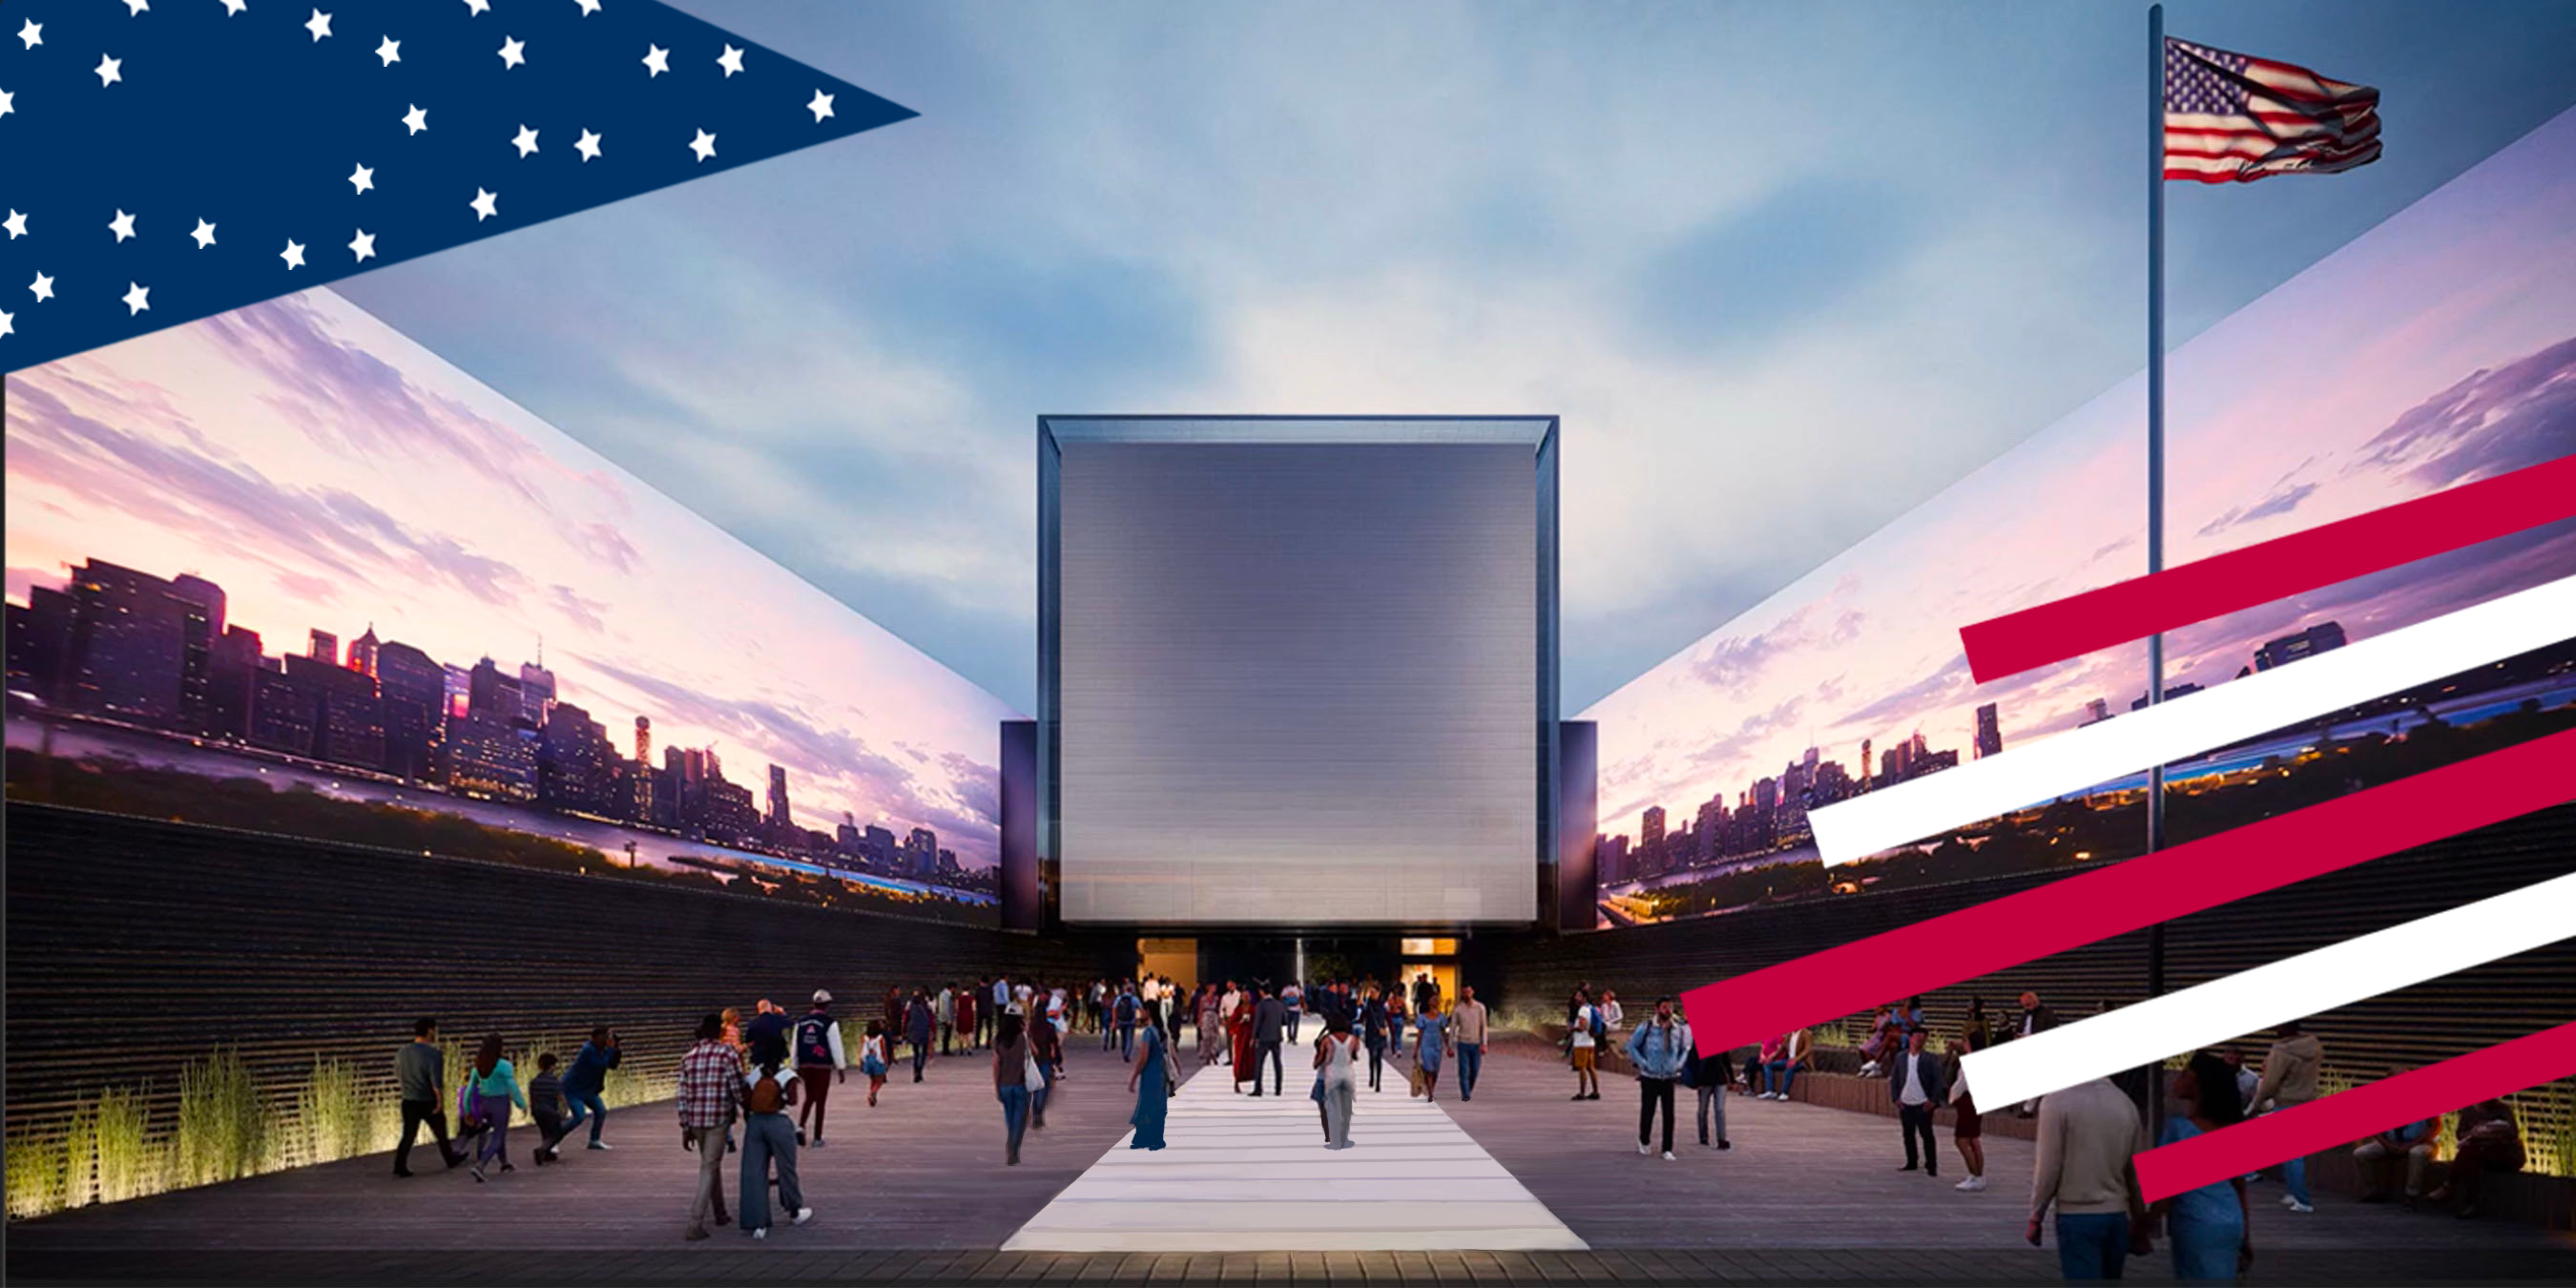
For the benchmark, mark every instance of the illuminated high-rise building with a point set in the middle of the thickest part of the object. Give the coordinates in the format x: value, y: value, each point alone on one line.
x: 1990, y: 732
x: 778, y: 814
x: 362, y: 652
x: 644, y: 740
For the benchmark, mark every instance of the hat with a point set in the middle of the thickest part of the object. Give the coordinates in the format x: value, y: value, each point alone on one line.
x: 822, y: 997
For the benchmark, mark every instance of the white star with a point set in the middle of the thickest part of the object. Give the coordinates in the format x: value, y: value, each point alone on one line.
x: 122, y: 225
x: 16, y: 224
x: 107, y: 72
x: 33, y: 33
x: 362, y: 179
x: 588, y: 146
x: 319, y: 24
x: 485, y: 204
x: 293, y: 254
x: 513, y: 51
x: 588, y: 7
x: 43, y: 287
x: 704, y: 145
x: 4, y: 324
x: 232, y: 7
x: 137, y: 298
x: 364, y: 244
x: 821, y: 106
x: 526, y: 142
x: 133, y: 7
x: 8, y: 102
x: 205, y: 234
x: 477, y: 7
x: 390, y: 51
x: 730, y: 60
x: 657, y: 58
x: 416, y: 118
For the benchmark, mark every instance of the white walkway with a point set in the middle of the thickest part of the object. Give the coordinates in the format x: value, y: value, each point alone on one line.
x: 1242, y: 1174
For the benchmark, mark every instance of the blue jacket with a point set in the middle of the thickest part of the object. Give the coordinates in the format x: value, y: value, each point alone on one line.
x: 1927, y: 1067
x: 1659, y: 1052
x: 590, y: 1070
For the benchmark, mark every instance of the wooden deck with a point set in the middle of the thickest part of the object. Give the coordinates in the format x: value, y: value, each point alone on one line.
x: 915, y: 1191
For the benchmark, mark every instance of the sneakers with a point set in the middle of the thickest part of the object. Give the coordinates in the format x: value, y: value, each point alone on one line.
x: 601, y: 1144
x: 1971, y: 1185
x: 761, y: 1233
x: 695, y: 1233
x: 2296, y: 1206
x: 1668, y: 1156
x: 818, y: 1142
x: 1641, y: 1148
x: 1869, y: 1070
x: 476, y: 1172
x: 803, y: 1215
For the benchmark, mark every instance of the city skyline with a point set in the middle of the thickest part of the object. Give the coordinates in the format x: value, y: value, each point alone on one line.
x: 2439, y: 348
x: 332, y: 475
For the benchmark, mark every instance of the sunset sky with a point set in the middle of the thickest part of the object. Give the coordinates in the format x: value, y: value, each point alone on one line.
x: 2437, y: 349
x: 328, y: 472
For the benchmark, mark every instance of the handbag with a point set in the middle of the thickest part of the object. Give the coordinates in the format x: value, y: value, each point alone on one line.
x: 1318, y: 1094
x: 1034, y: 1074
x: 1414, y: 1076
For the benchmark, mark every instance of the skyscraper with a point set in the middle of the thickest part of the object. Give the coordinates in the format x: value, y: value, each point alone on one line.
x: 362, y: 652
x: 414, y: 690
x: 2319, y: 638
x: 778, y: 815
x: 2096, y: 711
x: 1650, y: 843
x: 536, y: 689
x: 1990, y: 732
x: 324, y: 647
x: 1864, y: 765
x: 644, y: 740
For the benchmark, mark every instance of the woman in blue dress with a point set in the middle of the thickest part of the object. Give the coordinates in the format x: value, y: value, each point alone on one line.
x: 1431, y: 1037
x: 2208, y: 1226
x: 1153, y: 1092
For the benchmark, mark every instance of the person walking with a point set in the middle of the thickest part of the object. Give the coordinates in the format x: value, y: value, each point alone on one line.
x: 1047, y: 1048
x: 1227, y: 1004
x: 1968, y: 1131
x: 2210, y: 1227
x: 945, y: 1008
x: 1431, y: 1044
x: 1125, y: 1010
x: 1293, y: 997
x: 1914, y: 1083
x: 1239, y: 1047
x: 919, y: 1021
x: 1708, y: 1076
x: 1398, y: 1010
x: 970, y: 1013
x: 2089, y: 1138
x: 1613, y: 1019
x: 1373, y: 1025
x: 1012, y: 1067
x: 496, y: 1089
x: 1467, y: 1029
x: 1269, y: 1029
x: 986, y: 1012
x: 872, y: 1060
x: 420, y: 1079
x: 769, y: 1138
x: 710, y: 1091
x: 1336, y: 1057
x: 2289, y: 1080
x: 1153, y: 1084
x: 1211, y: 1025
x: 588, y: 1077
x: 546, y: 1109
x: 767, y: 1034
x: 819, y: 1062
x: 1585, y: 1037
x: 1657, y: 1051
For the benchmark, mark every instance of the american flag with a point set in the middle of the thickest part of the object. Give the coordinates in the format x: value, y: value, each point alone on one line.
x: 173, y: 159
x: 2234, y: 118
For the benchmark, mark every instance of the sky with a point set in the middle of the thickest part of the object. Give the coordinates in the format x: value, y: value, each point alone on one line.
x: 2436, y: 350
x: 1786, y: 270
x: 327, y: 472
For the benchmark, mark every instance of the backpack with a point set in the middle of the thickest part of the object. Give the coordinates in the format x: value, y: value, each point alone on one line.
x: 767, y: 1097
x: 1600, y: 1026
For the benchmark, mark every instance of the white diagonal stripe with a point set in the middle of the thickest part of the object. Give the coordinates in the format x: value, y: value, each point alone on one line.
x: 2197, y: 722
x: 2294, y: 988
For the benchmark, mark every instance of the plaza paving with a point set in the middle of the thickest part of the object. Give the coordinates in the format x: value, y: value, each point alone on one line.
x: 915, y: 1191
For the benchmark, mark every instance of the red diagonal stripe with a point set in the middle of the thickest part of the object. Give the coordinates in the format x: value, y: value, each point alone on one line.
x: 2364, y: 1111
x: 2130, y: 896
x: 2270, y: 570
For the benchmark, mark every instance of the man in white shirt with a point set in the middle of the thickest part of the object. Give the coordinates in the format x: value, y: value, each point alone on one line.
x: 1587, y: 1078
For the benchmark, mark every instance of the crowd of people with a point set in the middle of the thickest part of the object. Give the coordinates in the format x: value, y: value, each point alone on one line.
x: 762, y: 1089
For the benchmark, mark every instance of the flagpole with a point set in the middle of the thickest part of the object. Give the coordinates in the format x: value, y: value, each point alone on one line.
x: 2155, y: 465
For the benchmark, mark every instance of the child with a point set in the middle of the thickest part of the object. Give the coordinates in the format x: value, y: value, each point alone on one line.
x: 872, y: 1059
x: 546, y: 1105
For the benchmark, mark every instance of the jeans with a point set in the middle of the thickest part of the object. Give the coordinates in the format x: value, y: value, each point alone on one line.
x: 1471, y: 1061
x: 2092, y: 1245
x: 1292, y: 1025
x: 1015, y: 1114
x: 920, y: 1052
x: 710, y: 1196
x: 1127, y: 1042
x: 1268, y: 1051
x: 768, y: 1138
x: 1377, y: 1062
x: 1711, y: 1097
x: 1914, y: 1121
x: 1655, y: 1094
x: 1777, y: 1075
x: 2294, y: 1177
x: 414, y: 1113
x: 496, y: 1142
x: 586, y: 1107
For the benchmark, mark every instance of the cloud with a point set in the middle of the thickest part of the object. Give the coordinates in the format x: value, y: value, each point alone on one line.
x: 589, y: 613
x: 2493, y: 422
